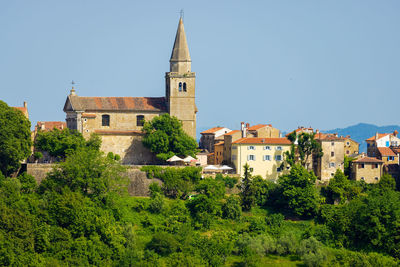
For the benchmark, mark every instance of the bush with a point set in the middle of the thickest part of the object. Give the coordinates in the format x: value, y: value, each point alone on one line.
x: 156, y: 203
x: 232, y: 209
x: 163, y: 244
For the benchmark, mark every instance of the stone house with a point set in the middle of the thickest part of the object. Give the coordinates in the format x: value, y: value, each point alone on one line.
x: 366, y: 169
x: 119, y: 120
x: 264, y: 155
x: 212, y: 136
x: 219, y: 153
x: 229, y: 138
x: 381, y: 140
x: 263, y: 131
x: 351, y: 147
x: 333, y: 158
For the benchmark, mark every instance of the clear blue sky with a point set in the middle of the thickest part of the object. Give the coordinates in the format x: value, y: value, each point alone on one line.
x: 324, y: 64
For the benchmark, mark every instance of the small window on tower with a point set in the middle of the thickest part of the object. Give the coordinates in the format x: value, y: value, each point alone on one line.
x: 180, y: 87
x: 105, y: 120
x: 184, y: 87
x: 139, y: 120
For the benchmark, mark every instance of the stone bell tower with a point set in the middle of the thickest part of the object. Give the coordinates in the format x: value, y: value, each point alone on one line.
x: 180, y: 84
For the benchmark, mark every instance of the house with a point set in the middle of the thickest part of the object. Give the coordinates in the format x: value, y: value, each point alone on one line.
x: 381, y: 140
x: 212, y: 136
x: 229, y: 138
x: 366, y: 169
x: 333, y: 156
x: 218, y: 153
x: 264, y: 155
x: 119, y: 120
x: 351, y: 147
x: 23, y: 109
x: 262, y: 130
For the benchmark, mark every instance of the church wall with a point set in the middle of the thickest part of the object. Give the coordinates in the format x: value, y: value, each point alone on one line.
x: 129, y: 147
x: 118, y: 121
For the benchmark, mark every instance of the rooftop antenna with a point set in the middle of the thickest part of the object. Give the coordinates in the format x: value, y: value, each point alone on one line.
x: 182, y: 14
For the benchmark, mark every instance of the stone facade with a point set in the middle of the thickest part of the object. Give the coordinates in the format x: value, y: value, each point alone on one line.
x: 333, y: 158
x: 212, y: 136
x: 351, y: 147
x: 119, y: 120
x: 366, y: 169
x: 219, y: 153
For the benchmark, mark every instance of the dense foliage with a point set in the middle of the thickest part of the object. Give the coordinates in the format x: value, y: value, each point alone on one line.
x: 306, y: 147
x: 58, y: 143
x: 165, y: 137
x: 15, y: 138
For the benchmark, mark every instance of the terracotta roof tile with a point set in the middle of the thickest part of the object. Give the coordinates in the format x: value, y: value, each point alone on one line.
x: 367, y: 160
x: 327, y: 137
x: 50, y: 125
x: 373, y: 138
x: 232, y: 132
x: 219, y: 143
x: 157, y: 104
x: 212, y: 130
x: 386, y: 151
x: 257, y: 140
x: 258, y: 126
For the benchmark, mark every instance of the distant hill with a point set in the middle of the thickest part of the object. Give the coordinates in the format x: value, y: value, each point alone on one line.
x: 362, y: 131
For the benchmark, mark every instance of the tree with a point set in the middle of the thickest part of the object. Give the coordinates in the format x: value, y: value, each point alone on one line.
x: 58, y: 143
x: 298, y: 191
x: 338, y: 188
x: 387, y: 182
x: 15, y: 138
x: 247, y: 190
x: 347, y: 165
x: 306, y: 146
x: 165, y: 137
x: 87, y: 171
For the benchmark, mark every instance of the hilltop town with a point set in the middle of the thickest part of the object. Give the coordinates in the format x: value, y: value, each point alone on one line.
x: 123, y: 182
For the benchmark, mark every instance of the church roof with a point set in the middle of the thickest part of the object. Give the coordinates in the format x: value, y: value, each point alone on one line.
x: 156, y: 104
x: 180, y: 52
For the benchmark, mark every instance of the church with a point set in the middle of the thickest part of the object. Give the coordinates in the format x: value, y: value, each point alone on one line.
x: 119, y: 120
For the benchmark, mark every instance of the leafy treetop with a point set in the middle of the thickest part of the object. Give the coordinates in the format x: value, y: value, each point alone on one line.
x: 165, y: 137
x: 15, y: 138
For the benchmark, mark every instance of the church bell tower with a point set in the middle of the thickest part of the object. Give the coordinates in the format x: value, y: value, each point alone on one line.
x: 180, y: 84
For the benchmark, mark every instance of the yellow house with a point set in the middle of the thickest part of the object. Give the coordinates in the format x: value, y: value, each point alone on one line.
x: 264, y: 155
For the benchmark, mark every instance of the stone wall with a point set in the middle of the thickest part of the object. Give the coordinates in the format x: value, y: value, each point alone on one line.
x: 138, y: 185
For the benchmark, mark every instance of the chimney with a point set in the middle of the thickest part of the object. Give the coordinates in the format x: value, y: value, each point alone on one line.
x: 317, y: 131
x: 42, y: 126
x: 243, y: 129
x: 25, y: 105
x: 395, y: 133
x: 376, y: 136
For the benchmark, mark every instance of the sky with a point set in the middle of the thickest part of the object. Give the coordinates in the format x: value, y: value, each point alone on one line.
x: 326, y: 64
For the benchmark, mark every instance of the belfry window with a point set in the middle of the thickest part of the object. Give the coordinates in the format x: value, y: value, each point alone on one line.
x: 180, y: 87
x: 105, y: 120
x: 184, y: 87
x: 139, y: 120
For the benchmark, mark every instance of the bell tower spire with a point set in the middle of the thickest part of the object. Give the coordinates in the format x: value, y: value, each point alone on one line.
x: 180, y: 84
x: 180, y: 58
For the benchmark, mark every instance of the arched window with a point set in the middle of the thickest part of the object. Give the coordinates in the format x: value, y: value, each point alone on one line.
x: 105, y: 120
x: 184, y: 87
x: 139, y: 120
x: 180, y: 87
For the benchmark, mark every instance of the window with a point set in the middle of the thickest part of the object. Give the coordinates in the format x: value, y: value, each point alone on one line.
x: 376, y: 178
x: 184, y: 87
x: 278, y: 157
x: 267, y: 157
x: 139, y: 120
x: 278, y: 148
x: 332, y: 164
x: 332, y: 154
x: 180, y: 87
x: 278, y: 169
x: 361, y: 166
x: 333, y: 143
x: 362, y: 178
x: 267, y: 148
x: 376, y: 166
x: 390, y: 158
x: 251, y: 157
x: 251, y: 148
x: 233, y: 157
x: 347, y: 152
x: 348, y: 143
x: 105, y: 120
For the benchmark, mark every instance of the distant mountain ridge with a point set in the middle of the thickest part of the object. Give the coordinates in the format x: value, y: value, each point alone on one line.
x: 362, y: 131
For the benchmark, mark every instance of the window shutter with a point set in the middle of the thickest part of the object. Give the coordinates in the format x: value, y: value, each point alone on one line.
x: 359, y: 166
